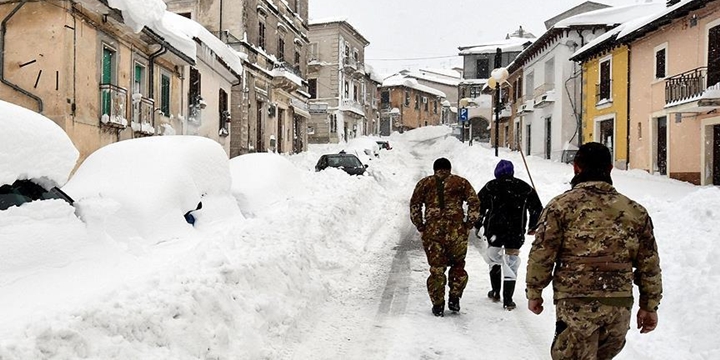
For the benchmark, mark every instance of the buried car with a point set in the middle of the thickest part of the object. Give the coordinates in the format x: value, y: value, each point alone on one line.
x: 343, y: 161
x: 154, y: 189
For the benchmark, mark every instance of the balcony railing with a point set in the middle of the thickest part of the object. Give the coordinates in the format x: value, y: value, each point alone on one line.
x: 113, y: 105
x: 287, y: 67
x: 143, y: 112
x: 603, y: 91
x: 349, y: 104
x: 685, y: 86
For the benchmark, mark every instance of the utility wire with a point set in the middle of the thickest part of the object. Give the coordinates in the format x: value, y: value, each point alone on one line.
x: 417, y: 58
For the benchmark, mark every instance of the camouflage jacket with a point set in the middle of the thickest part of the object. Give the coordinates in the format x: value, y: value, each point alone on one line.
x: 445, y: 205
x: 593, y: 242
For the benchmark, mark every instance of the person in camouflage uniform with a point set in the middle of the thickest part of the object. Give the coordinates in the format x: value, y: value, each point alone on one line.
x: 592, y: 243
x: 444, y: 230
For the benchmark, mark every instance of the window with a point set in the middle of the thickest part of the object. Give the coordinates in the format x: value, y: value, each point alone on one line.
x: 549, y: 74
x: 425, y: 102
x: 356, y: 93
x: 639, y: 131
x: 261, y: 34
x: 407, y: 98
x: 139, y: 79
x: 356, y: 56
x: 417, y: 102
x: 108, y: 77
x: 312, y: 88
x: 660, y: 63
x: 519, y: 88
x: 297, y: 58
x: 604, y: 87
x: 529, y: 85
x: 385, y: 97
x: 313, y: 51
x: 435, y: 106
x: 165, y: 94
x: 483, y: 68
x: 224, y: 112
x: 347, y: 90
x: 474, y: 92
x: 281, y: 49
x: 333, y: 123
x: 194, y: 95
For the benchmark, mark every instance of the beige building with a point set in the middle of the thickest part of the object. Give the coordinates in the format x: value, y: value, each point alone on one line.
x: 338, y: 83
x: 411, y: 104
x: 675, y: 92
x: 270, y: 111
x: 90, y: 73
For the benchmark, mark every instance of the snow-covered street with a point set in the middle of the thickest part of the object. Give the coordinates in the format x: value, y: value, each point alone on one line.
x: 323, y: 265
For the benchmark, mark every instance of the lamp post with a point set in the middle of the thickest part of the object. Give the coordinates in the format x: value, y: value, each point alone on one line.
x: 497, y: 77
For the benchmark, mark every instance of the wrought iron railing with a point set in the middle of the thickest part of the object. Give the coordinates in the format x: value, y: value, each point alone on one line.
x: 686, y: 86
x: 603, y: 91
x: 113, y: 104
x: 287, y: 67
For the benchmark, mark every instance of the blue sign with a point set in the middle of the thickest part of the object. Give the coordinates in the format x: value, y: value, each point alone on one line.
x: 463, y: 114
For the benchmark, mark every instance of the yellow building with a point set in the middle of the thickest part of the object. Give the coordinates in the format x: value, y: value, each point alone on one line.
x: 605, y: 95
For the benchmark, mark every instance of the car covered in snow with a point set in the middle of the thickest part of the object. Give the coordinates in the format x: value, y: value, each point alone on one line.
x: 343, y: 161
x: 154, y: 189
x: 366, y: 149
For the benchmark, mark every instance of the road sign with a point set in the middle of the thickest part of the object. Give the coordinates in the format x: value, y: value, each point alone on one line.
x: 463, y: 114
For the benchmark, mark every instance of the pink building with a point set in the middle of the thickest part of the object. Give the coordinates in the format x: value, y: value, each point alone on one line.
x: 675, y: 91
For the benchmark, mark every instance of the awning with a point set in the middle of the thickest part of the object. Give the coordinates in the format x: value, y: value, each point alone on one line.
x: 301, y: 112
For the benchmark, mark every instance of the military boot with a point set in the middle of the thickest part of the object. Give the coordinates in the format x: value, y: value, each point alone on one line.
x: 454, y: 303
x: 495, y: 279
x: 508, y: 290
x: 439, y: 310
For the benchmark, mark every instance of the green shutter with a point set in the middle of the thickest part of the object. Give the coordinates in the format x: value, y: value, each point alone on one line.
x: 165, y: 95
x: 106, y: 79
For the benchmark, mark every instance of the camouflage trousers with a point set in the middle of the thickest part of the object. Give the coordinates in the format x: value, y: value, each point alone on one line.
x: 589, y: 330
x: 446, y: 246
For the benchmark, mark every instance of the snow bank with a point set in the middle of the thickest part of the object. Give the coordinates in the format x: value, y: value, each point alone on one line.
x: 33, y: 147
x: 141, y: 188
x: 262, y: 181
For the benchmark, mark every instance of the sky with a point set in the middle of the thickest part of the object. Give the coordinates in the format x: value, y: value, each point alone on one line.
x: 414, y: 30
x: 284, y: 262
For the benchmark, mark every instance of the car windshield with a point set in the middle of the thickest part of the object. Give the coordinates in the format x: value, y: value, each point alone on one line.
x: 24, y: 191
x: 344, y: 161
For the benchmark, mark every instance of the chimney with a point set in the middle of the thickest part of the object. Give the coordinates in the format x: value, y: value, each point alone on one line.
x: 672, y: 2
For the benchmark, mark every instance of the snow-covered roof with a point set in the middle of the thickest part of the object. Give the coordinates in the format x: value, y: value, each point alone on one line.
x: 638, y: 26
x: 173, y: 24
x: 610, y: 16
x: 33, y: 147
x: 374, y: 75
x: 399, y: 80
x: 507, y: 45
x: 178, y: 31
x: 328, y: 20
x: 434, y: 77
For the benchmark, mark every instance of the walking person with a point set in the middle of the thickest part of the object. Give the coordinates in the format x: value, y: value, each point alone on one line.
x: 444, y: 231
x: 505, y: 203
x: 592, y: 242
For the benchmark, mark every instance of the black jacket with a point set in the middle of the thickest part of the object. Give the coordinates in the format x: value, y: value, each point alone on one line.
x: 504, y: 206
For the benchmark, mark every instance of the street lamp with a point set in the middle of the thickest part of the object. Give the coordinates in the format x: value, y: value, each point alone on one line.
x: 497, y: 77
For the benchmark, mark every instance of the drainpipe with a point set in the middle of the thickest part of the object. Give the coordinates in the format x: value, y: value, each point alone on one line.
x: 582, y: 95
x: 3, y: 30
x: 220, y: 28
x: 152, y: 58
x: 627, y: 130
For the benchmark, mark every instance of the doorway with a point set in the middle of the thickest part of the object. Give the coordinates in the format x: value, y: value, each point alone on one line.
x: 258, y: 128
x: 606, y: 133
x: 661, y: 149
x: 280, y: 128
x: 548, y: 137
x: 713, y: 61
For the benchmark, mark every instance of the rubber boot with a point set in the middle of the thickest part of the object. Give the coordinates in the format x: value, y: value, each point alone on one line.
x: 495, y: 278
x: 508, y: 290
x: 454, y: 304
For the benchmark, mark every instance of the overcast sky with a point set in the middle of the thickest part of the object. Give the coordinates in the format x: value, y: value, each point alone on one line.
x: 414, y: 29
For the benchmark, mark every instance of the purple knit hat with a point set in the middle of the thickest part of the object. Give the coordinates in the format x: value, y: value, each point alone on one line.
x: 504, y: 168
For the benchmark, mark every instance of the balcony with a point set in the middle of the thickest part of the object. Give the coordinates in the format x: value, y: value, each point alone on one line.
x: 350, y: 65
x: 352, y: 106
x: 113, y: 103
x: 286, y: 77
x: 545, y: 99
x: 143, y: 115
x: 603, y: 93
x: 506, y: 111
x: 690, y: 89
x: 526, y: 107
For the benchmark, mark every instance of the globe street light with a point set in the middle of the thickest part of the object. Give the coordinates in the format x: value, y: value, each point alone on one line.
x: 497, y: 77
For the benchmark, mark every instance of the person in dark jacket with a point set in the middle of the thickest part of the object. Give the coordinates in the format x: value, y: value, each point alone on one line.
x: 505, y: 203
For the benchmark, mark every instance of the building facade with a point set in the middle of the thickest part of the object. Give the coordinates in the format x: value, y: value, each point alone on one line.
x: 411, y: 105
x: 271, y: 110
x: 81, y: 66
x: 340, y: 103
